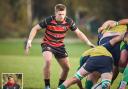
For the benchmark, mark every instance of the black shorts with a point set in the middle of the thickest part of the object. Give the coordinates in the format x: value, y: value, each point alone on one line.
x: 59, y: 52
x: 100, y: 64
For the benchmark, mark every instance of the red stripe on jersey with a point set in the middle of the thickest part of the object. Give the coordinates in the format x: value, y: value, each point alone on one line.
x: 46, y: 36
x: 55, y: 34
x: 53, y: 40
x: 52, y: 43
x: 54, y: 22
x: 56, y: 28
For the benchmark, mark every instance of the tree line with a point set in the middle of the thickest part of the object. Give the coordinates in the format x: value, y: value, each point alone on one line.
x: 14, y: 13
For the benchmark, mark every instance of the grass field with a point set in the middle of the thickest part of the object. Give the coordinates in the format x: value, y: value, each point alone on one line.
x: 12, y: 60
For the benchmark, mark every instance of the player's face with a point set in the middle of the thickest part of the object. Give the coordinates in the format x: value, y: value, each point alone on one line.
x: 60, y: 15
x: 11, y: 80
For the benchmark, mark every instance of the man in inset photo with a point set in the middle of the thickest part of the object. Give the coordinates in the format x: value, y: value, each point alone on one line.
x: 11, y: 84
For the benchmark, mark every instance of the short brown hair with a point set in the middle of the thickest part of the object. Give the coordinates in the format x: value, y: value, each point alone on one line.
x: 60, y: 7
x: 9, y: 77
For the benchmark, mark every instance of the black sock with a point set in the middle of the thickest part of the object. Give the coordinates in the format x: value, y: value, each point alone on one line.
x: 47, y: 82
x: 60, y: 82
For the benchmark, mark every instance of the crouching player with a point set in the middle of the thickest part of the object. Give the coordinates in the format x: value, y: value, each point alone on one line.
x: 106, y: 33
x: 123, y: 62
x: 98, y: 59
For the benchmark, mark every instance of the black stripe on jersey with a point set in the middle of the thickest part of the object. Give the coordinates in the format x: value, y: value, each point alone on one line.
x: 68, y: 20
x: 52, y: 24
x: 57, y: 31
x: 52, y: 33
x: 71, y: 23
x: 46, y: 22
x: 54, y: 37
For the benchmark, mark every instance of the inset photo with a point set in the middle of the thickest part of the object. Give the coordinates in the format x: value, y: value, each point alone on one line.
x: 12, y: 80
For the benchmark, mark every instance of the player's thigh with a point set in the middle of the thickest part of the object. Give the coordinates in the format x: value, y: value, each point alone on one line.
x: 83, y: 72
x: 107, y: 76
x: 64, y: 63
x: 47, y: 55
x: 94, y: 76
x: 123, y: 58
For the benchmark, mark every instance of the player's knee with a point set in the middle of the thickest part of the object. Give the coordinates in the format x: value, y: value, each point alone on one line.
x: 105, y: 84
x: 66, y: 69
x: 47, y: 63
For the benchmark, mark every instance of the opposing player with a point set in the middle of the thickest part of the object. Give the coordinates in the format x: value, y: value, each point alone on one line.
x: 106, y: 33
x: 123, y: 62
x: 98, y: 59
x: 53, y: 41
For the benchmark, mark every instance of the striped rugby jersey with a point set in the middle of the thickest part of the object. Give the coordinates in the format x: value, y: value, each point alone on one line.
x: 55, y: 31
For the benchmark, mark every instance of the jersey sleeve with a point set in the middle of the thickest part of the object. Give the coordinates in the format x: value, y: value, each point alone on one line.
x: 108, y: 46
x: 45, y: 22
x: 72, y: 24
x: 99, y: 37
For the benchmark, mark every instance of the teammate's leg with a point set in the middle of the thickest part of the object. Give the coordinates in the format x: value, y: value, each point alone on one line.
x: 123, y: 64
x: 91, y: 79
x: 123, y: 58
x: 124, y: 81
x: 64, y: 63
x: 46, y: 69
x: 78, y: 76
x: 115, y: 73
x: 106, y: 80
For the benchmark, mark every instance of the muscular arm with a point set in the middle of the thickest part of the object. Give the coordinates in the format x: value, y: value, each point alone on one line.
x: 112, y: 23
x: 123, y: 22
x: 116, y: 40
x: 33, y: 32
x: 31, y: 36
x: 106, y: 24
x: 83, y: 37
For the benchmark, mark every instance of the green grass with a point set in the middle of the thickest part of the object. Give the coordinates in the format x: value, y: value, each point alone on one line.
x: 12, y: 60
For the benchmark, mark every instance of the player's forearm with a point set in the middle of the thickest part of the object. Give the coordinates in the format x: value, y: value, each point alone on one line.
x: 123, y: 22
x: 116, y: 40
x: 83, y: 38
x: 32, y: 34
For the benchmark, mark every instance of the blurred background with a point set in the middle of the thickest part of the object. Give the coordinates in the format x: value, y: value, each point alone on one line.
x: 18, y: 16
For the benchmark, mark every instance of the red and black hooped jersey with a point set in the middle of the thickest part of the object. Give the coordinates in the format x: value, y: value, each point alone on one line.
x: 56, y: 31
